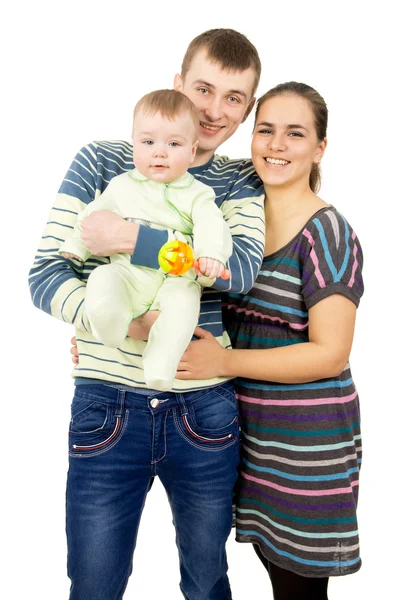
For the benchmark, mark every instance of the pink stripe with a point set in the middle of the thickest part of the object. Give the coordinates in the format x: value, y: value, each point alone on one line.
x: 258, y: 314
x: 347, y: 490
x: 314, y: 257
x: 354, y: 267
x: 314, y: 402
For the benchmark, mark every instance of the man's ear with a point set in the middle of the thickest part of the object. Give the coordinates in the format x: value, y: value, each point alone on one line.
x: 194, y: 148
x: 249, y: 109
x: 177, y: 82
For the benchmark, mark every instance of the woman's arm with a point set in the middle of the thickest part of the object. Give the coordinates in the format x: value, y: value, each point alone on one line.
x: 331, y: 330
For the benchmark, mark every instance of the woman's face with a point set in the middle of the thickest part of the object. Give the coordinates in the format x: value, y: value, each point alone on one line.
x: 285, y: 144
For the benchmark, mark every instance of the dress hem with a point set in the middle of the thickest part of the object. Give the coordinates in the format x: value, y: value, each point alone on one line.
x: 289, y: 566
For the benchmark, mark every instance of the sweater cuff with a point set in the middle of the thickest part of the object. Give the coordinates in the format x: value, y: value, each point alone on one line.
x: 148, y: 244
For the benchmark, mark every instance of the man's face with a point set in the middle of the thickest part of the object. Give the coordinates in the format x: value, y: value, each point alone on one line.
x: 164, y: 149
x: 223, y: 99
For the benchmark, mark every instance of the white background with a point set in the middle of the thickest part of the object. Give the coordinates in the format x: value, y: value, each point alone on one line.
x: 71, y: 73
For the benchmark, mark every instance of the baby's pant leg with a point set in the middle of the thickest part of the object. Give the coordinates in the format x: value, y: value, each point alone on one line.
x: 179, y: 303
x: 109, y: 304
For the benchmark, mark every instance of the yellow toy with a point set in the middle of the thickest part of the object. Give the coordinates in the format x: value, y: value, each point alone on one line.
x: 176, y: 258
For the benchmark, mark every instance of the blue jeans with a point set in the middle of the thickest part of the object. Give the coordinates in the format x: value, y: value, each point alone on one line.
x: 119, y: 441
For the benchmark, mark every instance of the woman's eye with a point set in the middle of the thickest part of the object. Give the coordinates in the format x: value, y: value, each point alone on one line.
x: 265, y: 131
x: 296, y: 134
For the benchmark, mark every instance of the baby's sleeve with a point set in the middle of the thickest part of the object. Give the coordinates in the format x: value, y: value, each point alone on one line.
x: 333, y: 259
x: 212, y: 236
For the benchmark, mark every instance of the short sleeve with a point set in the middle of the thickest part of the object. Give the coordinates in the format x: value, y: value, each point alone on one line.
x: 333, y: 259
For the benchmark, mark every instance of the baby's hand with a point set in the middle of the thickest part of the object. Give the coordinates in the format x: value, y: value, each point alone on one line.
x: 211, y: 268
x: 70, y: 255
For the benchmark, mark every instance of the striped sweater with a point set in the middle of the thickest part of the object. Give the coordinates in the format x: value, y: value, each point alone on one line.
x: 58, y: 285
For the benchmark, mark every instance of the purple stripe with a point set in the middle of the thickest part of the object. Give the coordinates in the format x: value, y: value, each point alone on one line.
x: 303, y: 250
x: 335, y: 506
x: 301, y: 418
x: 284, y: 327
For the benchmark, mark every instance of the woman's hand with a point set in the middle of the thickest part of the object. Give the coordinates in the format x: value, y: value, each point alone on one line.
x: 74, y: 351
x: 139, y: 328
x: 203, y: 359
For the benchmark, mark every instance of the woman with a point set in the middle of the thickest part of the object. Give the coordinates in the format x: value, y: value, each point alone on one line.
x: 292, y: 334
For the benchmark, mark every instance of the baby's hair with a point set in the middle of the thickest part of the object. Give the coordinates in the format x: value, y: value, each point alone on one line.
x: 169, y: 103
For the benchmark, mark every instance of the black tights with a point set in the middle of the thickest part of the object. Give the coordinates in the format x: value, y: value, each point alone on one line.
x: 290, y: 586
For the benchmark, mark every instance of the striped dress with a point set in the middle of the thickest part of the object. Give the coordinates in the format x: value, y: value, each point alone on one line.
x: 301, y: 443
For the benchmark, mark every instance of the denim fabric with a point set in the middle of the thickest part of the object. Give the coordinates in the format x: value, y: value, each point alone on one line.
x: 119, y: 441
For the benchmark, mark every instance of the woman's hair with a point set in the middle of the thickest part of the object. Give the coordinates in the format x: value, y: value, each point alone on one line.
x: 169, y: 103
x: 226, y: 47
x: 319, y: 110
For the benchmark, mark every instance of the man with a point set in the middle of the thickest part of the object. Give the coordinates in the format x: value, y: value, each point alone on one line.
x: 122, y: 434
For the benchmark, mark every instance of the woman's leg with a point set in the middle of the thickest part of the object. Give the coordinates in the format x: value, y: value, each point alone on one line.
x: 288, y: 586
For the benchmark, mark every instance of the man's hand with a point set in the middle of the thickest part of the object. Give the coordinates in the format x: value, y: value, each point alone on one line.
x: 74, y: 351
x: 211, y: 268
x: 104, y: 233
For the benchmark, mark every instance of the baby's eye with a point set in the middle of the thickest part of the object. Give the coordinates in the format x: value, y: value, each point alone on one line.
x: 148, y: 142
x: 174, y: 144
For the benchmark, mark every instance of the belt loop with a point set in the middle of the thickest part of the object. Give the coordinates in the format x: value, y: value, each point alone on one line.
x: 120, y: 402
x: 181, y: 404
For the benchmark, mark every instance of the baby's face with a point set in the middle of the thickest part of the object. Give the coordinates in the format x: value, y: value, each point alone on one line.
x: 163, y: 149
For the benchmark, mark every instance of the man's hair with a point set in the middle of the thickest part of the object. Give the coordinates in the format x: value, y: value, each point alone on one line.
x: 169, y: 103
x: 227, y: 47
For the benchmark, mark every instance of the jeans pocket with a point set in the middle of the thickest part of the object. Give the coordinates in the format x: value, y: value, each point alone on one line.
x: 95, y: 426
x: 215, y: 411
x: 211, y: 421
x: 207, y: 437
x: 89, y: 417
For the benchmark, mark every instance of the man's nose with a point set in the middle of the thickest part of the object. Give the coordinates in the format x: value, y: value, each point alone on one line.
x: 213, y: 109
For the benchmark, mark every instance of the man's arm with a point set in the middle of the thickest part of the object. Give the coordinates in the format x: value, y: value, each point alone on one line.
x: 57, y: 284
x: 243, y: 210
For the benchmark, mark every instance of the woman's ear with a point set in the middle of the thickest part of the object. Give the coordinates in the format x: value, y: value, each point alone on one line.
x: 320, y: 151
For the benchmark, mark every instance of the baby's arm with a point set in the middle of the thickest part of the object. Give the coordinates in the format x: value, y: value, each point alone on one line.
x: 212, y: 237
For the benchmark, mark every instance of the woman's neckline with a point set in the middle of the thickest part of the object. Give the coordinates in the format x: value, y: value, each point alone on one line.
x: 268, y: 256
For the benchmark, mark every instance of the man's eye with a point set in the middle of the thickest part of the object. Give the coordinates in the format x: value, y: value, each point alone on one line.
x: 233, y: 99
x: 203, y: 91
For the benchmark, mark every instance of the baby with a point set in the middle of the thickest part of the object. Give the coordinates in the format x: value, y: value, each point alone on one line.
x: 161, y: 193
